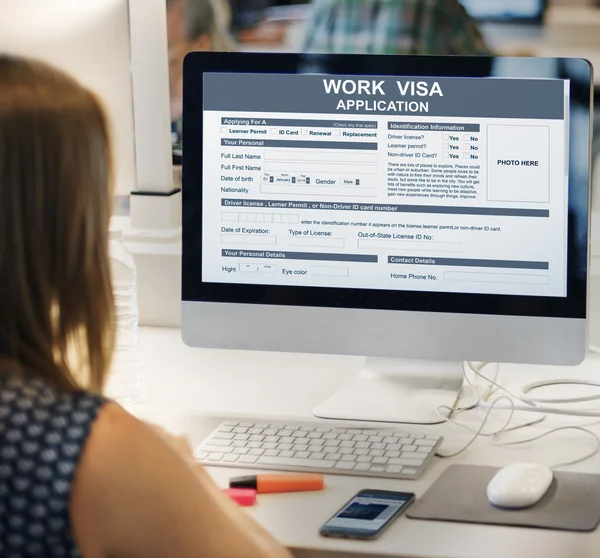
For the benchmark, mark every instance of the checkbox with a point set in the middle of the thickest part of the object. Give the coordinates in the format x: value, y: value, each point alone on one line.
x: 277, y: 218
x: 446, y: 156
x: 467, y: 146
x: 466, y: 155
x: 274, y: 131
x: 446, y: 137
x: 223, y: 129
x: 446, y: 146
x: 304, y: 131
x: 467, y: 137
x: 338, y: 132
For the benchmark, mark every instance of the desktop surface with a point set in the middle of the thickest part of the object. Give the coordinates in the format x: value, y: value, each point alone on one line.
x: 189, y: 391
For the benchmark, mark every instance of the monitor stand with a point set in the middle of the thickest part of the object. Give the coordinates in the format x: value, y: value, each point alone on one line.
x: 396, y: 390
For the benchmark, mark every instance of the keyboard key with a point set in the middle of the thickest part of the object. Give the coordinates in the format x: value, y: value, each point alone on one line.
x: 344, y: 437
x: 286, y: 453
x: 405, y: 462
x: 301, y: 447
x: 364, y: 459
x: 332, y: 443
x: 246, y: 424
x: 424, y: 449
x: 310, y: 463
x: 377, y: 469
x: 330, y: 436
x: 345, y: 451
x: 232, y: 458
x: 271, y: 453
x: 239, y: 444
x: 228, y: 423
x: 299, y: 434
x: 240, y: 430
x: 219, y: 442
x: 376, y: 453
x: 223, y: 436
x: 256, y: 438
x: 302, y: 454
x: 287, y: 439
x: 254, y: 445
x: 347, y: 444
x: 375, y: 439
x: 435, y: 438
x: 361, y: 451
x: 284, y: 447
x: 269, y: 445
x: 425, y: 443
x: 242, y: 437
x: 256, y: 451
x: 215, y: 457
x: 411, y: 448
x: 348, y: 458
x: 285, y: 432
x: 392, y: 454
x: 393, y: 469
x: 241, y: 451
x: 333, y: 456
x: 408, y: 471
x: 248, y: 459
x: 255, y: 430
x: 363, y: 445
x: 270, y: 432
x: 217, y: 449
x: 318, y: 455
x: 315, y: 434
x: 317, y: 442
x: 345, y: 465
x: 412, y: 455
x: 362, y: 467
x: 360, y: 438
x: 271, y: 438
x: 378, y: 446
x: 390, y: 440
x: 379, y: 460
x: 393, y: 447
x: 202, y: 455
x: 406, y: 441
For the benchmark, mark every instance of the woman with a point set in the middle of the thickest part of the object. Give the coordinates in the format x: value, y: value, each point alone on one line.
x: 79, y: 475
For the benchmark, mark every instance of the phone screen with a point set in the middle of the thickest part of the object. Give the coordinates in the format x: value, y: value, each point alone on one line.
x: 367, y: 513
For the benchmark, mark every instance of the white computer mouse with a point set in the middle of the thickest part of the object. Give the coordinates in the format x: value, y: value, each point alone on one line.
x: 519, y: 485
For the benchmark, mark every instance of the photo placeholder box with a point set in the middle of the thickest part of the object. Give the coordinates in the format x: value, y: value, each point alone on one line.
x: 518, y: 164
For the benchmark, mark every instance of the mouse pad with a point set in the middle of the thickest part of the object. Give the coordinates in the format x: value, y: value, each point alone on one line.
x: 571, y: 504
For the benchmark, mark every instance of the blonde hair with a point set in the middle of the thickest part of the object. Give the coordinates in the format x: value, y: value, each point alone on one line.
x: 55, y: 198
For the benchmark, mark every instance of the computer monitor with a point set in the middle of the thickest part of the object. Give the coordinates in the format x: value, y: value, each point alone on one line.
x: 522, y: 11
x: 419, y: 211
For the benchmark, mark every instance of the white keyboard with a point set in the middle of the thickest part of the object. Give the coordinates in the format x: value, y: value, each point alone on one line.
x: 369, y: 452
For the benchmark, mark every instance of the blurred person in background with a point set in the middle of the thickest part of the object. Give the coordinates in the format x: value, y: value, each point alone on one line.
x: 392, y: 27
x: 79, y: 476
x: 250, y: 25
x: 193, y: 25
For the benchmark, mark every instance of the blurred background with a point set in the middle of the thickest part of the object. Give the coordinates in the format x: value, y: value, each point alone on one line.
x: 504, y: 27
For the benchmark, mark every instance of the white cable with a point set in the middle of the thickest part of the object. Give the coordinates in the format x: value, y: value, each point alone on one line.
x: 554, y: 431
x: 506, y: 427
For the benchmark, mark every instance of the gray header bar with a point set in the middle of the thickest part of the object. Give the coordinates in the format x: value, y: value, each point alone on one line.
x: 295, y: 122
x: 387, y: 208
x: 234, y: 142
x: 426, y: 260
x: 262, y: 254
x: 385, y: 95
x: 432, y: 127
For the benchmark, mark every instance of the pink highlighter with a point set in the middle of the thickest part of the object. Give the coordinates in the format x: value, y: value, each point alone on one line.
x: 242, y: 496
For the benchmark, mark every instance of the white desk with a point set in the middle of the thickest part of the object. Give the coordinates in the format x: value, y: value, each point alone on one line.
x: 180, y: 384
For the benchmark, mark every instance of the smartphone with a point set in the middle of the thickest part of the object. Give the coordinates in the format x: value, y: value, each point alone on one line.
x: 367, y: 514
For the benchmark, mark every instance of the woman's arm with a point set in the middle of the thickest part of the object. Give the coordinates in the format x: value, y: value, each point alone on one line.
x: 135, y: 495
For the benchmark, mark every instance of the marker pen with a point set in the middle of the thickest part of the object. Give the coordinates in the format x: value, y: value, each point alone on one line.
x: 270, y: 484
x: 242, y: 496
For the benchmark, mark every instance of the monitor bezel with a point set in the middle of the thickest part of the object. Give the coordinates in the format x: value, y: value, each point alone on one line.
x: 194, y: 289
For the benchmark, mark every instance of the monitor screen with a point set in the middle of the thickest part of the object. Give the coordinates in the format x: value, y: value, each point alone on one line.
x: 386, y: 183
x: 506, y: 10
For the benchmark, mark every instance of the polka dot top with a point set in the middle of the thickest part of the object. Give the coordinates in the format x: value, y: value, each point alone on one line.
x: 42, y: 434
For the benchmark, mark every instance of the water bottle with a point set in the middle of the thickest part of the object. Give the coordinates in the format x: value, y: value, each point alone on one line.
x: 124, y: 381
